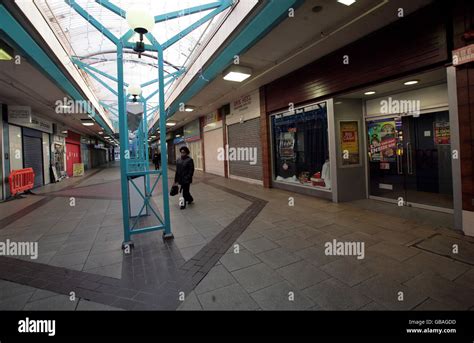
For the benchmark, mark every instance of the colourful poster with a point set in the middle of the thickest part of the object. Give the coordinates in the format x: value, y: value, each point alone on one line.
x: 287, y: 145
x: 349, y: 133
x: 442, y: 133
x: 78, y: 169
x: 383, y: 140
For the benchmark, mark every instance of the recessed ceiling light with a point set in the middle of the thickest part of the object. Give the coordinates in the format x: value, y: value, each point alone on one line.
x: 100, y: 132
x: 346, y: 2
x: 411, y: 82
x: 370, y: 93
x: 237, y: 73
x: 87, y: 122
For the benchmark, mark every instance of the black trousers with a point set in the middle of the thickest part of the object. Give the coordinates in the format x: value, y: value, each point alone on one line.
x: 186, y: 195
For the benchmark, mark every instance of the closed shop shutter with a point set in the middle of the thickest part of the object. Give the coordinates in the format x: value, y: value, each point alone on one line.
x: 212, y: 144
x: 33, y: 157
x: 245, y: 135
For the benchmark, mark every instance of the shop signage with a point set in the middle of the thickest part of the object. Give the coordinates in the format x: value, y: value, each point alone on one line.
x: 383, y: 140
x: 463, y: 55
x: 20, y: 114
x: 211, y: 118
x: 242, y: 104
x: 192, y: 131
x: 442, y: 133
x: 35, y: 122
x: 349, y: 135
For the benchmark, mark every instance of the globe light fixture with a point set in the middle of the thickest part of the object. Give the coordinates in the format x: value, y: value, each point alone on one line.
x: 135, y: 91
x: 141, y: 21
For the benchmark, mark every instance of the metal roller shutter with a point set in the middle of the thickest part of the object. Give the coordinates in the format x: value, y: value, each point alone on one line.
x: 33, y: 157
x: 246, y: 135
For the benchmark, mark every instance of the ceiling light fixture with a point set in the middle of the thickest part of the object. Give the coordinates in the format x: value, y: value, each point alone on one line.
x: 189, y: 108
x: 141, y: 21
x: 411, y: 82
x: 237, y: 73
x: 370, y: 93
x: 346, y: 2
x: 170, y: 124
x: 135, y: 91
x: 87, y: 122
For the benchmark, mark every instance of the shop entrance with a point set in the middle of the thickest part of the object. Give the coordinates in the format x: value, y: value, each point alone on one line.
x: 410, y: 160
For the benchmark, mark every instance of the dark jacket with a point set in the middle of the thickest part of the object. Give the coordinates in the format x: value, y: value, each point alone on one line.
x: 184, y: 171
x: 156, y: 159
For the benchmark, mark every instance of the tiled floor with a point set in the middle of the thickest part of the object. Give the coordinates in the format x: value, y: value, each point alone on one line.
x: 240, y: 246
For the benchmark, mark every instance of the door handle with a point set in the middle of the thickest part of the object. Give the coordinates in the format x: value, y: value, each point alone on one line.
x: 399, y: 164
x: 409, y: 159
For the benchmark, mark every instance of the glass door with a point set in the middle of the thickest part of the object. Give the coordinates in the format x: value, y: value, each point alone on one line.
x: 410, y: 160
x: 428, y: 171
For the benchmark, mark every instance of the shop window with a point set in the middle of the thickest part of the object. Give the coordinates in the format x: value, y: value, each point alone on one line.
x: 301, y: 148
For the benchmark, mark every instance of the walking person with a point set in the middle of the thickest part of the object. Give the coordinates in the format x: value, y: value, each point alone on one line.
x: 184, y: 175
x: 157, y: 160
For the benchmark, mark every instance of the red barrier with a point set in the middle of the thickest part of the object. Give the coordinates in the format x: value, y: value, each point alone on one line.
x: 21, y: 180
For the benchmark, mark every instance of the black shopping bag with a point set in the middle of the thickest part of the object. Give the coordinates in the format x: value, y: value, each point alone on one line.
x: 174, y: 190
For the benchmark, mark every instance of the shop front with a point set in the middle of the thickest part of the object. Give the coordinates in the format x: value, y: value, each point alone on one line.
x: 73, y: 152
x: 410, y: 155
x: 392, y: 122
x: 300, y: 149
x: 29, y: 141
x: 192, y: 139
x: 243, y: 149
x: 213, y: 143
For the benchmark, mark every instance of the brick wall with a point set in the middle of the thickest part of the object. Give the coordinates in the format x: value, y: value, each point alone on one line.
x: 463, y: 20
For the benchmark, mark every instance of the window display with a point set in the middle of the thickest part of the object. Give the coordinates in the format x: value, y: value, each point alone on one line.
x: 301, y: 152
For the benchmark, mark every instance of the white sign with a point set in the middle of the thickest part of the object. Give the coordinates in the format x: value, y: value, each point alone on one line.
x: 35, y: 122
x: 21, y: 114
x: 244, y: 108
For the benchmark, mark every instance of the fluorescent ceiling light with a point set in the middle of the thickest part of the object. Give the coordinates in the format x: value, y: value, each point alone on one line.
x: 88, y: 124
x: 346, y: 2
x: 189, y: 108
x: 369, y: 93
x: 170, y: 124
x: 236, y: 73
x: 100, y: 132
x: 411, y: 82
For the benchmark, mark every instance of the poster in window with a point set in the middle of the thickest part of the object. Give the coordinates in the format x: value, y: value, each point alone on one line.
x: 349, y: 135
x: 287, y: 145
x: 442, y: 133
x: 383, y: 140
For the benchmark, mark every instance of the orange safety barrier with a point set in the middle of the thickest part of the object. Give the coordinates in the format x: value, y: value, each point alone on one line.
x: 21, y: 180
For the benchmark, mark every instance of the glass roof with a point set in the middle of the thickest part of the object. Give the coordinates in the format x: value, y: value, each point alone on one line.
x: 84, y: 41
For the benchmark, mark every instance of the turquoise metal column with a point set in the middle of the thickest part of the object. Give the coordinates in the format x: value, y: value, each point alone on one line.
x: 164, y: 154
x: 123, y: 129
